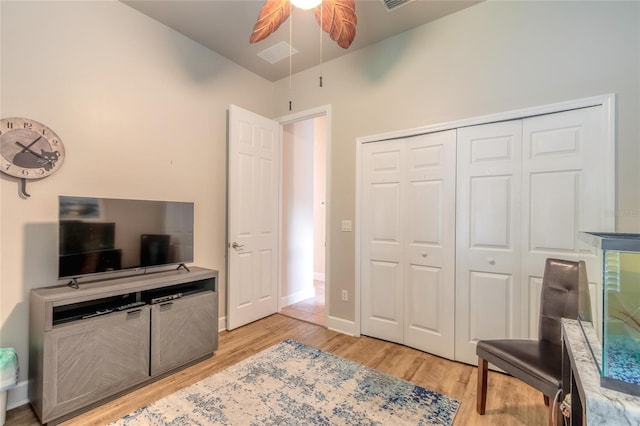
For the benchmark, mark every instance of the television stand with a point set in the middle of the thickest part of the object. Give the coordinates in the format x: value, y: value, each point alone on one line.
x: 91, y: 344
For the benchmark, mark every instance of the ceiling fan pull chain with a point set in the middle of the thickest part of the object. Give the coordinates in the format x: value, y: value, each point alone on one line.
x: 321, y: 7
x: 290, y: 48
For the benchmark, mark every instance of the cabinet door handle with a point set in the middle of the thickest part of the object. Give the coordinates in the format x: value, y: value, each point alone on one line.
x: 135, y: 311
x: 166, y: 304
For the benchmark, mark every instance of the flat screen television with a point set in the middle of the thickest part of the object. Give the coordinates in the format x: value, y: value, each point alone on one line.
x: 105, y: 235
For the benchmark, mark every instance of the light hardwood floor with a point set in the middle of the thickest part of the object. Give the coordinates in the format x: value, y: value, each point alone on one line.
x: 509, y: 402
x: 312, y: 309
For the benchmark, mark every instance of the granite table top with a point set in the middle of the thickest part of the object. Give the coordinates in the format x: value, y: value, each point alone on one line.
x: 602, y: 406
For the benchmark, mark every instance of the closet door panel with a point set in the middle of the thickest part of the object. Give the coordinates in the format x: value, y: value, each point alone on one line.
x: 563, y: 194
x: 381, y: 266
x: 430, y: 248
x: 423, y: 283
x: 490, y: 211
x: 552, y: 211
x: 490, y: 293
x: 487, y: 235
x: 385, y: 238
x: 425, y: 215
x: 385, y: 303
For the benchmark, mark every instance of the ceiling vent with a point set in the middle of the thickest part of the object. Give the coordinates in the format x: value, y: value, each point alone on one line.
x: 394, y: 4
x: 278, y: 52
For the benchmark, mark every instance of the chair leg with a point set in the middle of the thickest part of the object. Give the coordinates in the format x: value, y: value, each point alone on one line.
x: 546, y: 400
x: 481, y: 397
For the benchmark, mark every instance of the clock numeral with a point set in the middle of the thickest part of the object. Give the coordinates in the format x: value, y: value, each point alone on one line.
x: 53, y: 141
x: 9, y: 124
x: 28, y: 125
x: 43, y: 132
x: 7, y: 166
x: 25, y: 172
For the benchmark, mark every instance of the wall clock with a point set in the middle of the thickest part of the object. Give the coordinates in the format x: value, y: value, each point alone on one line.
x: 29, y: 149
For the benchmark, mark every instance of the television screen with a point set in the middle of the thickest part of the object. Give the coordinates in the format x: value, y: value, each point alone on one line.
x: 100, y: 235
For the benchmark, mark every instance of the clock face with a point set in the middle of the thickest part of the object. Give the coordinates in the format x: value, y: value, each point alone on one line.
x: 29, y: 149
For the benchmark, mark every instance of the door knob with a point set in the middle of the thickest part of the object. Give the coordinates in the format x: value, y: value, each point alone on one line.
x: 236, y: 245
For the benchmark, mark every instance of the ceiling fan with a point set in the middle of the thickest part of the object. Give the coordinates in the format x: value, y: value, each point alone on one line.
x: 335, y: 17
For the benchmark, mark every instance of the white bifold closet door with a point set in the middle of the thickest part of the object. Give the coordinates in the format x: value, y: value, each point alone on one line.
x: 408, y: 241
x: 488, y: 234
x: 526, y: 188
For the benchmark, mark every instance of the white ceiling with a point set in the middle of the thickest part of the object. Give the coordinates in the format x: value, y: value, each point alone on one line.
x: 224, y: 26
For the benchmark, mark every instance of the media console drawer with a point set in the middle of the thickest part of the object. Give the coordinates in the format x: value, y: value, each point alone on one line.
x: 93, y: 359
x: 89, y: 344
x: 174, y: 338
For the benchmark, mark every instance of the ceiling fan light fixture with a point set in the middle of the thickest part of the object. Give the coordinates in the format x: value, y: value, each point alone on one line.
x: 336, y: 18
x: 305, y: 4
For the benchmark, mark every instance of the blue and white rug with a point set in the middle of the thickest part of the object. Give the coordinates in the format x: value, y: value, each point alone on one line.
x: 294, y: 384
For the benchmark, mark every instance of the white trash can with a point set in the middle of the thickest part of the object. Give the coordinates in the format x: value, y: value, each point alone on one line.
x: 8, y: 377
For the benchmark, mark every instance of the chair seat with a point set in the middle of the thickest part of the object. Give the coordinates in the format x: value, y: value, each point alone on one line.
x: 537, y: 363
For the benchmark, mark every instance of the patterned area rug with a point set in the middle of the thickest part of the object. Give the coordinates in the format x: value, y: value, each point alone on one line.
x: 294, y: 384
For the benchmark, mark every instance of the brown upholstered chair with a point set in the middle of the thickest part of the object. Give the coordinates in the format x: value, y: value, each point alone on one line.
x: 536, y: 362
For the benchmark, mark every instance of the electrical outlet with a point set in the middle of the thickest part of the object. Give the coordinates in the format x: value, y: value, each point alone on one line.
x: 345, y: 296
x: 346, y: 226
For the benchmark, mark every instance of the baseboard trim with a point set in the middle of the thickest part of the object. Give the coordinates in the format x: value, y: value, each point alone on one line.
x: 298, y: 296
x: 342, y: 326
x: 18, y: 396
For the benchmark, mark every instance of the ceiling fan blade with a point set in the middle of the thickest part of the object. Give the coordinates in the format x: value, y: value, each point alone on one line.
x: 339, y: 20
x: 272, y: 14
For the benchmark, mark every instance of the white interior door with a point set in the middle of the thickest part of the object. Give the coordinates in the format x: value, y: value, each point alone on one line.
x: 408, y: 241
x: 429, y: 218
x: 382, y: 272
x: 526, y: 188
x: 253, y: 182
x: 563, y: 193
x: 488, y: 300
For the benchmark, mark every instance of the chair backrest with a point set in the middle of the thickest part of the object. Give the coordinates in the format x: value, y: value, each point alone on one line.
x: 559, y: 298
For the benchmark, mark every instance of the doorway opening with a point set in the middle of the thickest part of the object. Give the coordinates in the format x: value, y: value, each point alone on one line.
x: 304, y: 153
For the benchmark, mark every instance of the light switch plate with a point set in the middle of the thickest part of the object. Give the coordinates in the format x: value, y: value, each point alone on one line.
x: 346, y: 226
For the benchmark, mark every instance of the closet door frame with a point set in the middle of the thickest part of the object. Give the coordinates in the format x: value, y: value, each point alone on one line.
x: 608, y: 103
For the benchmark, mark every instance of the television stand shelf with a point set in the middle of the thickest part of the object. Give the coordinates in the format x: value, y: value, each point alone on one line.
x: 96, y: 342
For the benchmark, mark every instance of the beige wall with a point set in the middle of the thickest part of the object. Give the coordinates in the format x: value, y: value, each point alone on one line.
x: 493, y: 57
x: 142, y: 113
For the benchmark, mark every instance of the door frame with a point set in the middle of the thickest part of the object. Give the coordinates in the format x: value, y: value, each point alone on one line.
x: 608, y: 103
x: 324, y: 110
